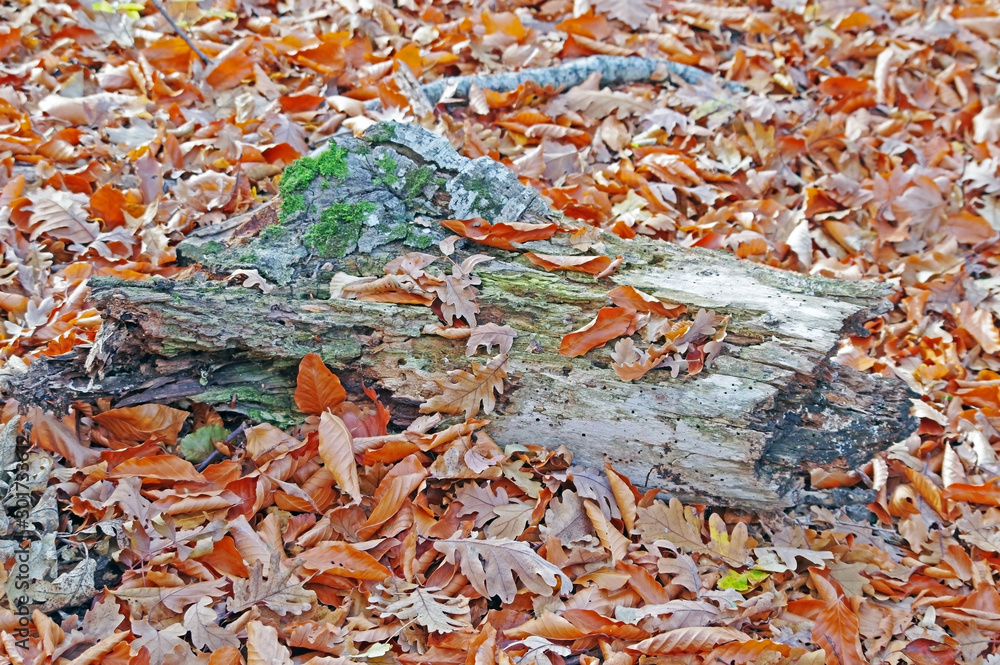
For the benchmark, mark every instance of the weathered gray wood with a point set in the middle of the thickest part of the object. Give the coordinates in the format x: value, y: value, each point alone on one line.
x: 740, y: 433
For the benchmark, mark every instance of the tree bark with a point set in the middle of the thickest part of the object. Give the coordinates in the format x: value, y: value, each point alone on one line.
x: 741, y: 433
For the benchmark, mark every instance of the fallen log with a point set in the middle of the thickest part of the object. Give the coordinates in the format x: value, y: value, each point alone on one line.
x: 771, y: 406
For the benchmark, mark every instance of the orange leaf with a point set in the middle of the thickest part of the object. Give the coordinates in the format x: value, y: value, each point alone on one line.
x: 929, y: 491
x: 335, y: 449
x: 231, y: 72
x: 501, y: 234
x: 588, y: 25
x: 157, y: 467
x: 836, y: 632
x: 611, y: 322
x: 317, y: 388
x: 629, y: 297
x: 108, y: 203
x: 506, y: 22
x: 843, y: 86
x: 592, y: 265
x: 550, y: 626
x: 595, y: 624
x: 340, y: 558
x: 139, y: 423
x: 988, y: 494
x: 227, y: 655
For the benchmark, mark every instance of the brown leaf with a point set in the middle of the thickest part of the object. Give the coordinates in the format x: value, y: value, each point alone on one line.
x: 506, y: 561
x: 836, y: 631
x: 335, y: 449
x: 631, y: 298
x: 157, y: 467
x: 611, y: 322
x: 501, y: 234
x: 687, y: 640
x: 464, y: 392
x: 263, y: 647
x: 52, y: 435
x: 592, y: 265
x: 139, y: 423
x: 317, y: 388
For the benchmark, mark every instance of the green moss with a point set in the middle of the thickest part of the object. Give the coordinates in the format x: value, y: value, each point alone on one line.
x: 381, y: 133
x: 398, y: 232
x: 339, y: 227
x: 416, y: 180
x: 387, y: 167
x: 325, y: 184
x: 418, y: 240
x: 298, y: 176
x: 291, y: 204
x: 212, y: 247
x: 273, y: 232
x: 333, y: 162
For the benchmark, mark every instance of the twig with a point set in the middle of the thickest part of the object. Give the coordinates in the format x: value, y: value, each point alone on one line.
x: 229, y: 439
x: 180, y: 32
x: 614, y: 71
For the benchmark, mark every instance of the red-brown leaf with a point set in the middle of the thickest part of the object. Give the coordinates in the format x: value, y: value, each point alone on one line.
x: 592, y: 265
x: 611, y: 322
x: 317, y: 388
x: 836, y: 632
x: 501, y: 234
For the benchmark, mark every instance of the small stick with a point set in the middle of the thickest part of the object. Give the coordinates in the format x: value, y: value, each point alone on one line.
x: 180, y: 32
x: 229, y: 439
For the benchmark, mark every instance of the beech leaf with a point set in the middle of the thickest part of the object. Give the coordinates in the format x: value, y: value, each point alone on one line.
x: 317, y: 388
x: 337, y: 452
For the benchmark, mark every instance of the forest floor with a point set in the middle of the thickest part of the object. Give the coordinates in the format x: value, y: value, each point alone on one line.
x: 862, y: 142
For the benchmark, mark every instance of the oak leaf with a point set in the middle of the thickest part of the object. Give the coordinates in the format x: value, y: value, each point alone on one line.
x: 203, y: 624
x: 493, y: 567
x: 488, y: 334
x: 281, y: 591
x: 317, y: 388
x: 464, y: 392
x: 435, y: 611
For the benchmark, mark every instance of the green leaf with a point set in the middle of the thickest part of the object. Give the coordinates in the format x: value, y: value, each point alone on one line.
x: 103, y: 6
x: 742, y: 581
x: 197, y: 446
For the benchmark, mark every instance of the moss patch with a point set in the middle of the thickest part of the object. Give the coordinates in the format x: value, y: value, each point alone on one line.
x: 484, y: 203
x: 291, y: 204
x: 338, y: 229
x: 387, y: 170
x: 332, y: 163
x: 416, y: 180
x: 273, y: 232
x: 381, y: 133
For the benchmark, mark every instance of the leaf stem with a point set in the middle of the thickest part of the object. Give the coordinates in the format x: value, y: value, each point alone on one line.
x: 181, y: 33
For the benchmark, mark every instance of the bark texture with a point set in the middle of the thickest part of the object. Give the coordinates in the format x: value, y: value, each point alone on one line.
x: 741, y: 433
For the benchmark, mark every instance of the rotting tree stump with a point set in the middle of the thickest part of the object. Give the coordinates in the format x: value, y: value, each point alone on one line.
x: 741, y: 433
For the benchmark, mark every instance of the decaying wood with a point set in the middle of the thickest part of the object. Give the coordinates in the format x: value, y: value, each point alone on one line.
x: 772, y: 405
